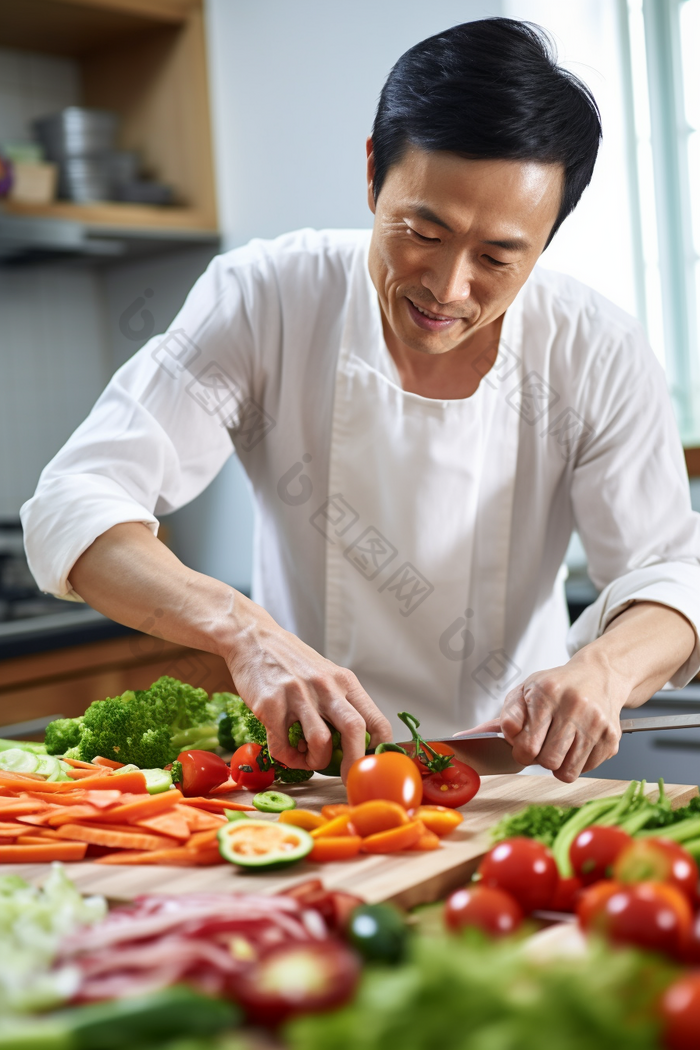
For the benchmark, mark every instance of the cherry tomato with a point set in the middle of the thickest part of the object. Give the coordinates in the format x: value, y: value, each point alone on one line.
x: 440, y: 748
x: 680, y: 1009
x: 566, y: 895
x: 525, y: 869
x: 390, y: 776
x: 296, y: 979
x: 251, y: 768
x: 691, y: 950
x: 594, y: 851
x: 591, y: 901
x: 453, y: 787
x: 658, y: 860
x: 491, y: 910
x: 651, y: 915
x: 201, y: 772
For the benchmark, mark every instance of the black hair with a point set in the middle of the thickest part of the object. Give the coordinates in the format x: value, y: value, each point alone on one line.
x: 489, y: 89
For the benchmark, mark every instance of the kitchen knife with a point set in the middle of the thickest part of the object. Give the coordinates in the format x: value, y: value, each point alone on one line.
x: 490, y: 753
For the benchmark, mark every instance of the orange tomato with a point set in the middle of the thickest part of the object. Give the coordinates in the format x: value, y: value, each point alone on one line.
x: 390, y: 776
x: 335, y: 848
x: 369, y: 818
x: 395, y: 839
x: 439, y: 819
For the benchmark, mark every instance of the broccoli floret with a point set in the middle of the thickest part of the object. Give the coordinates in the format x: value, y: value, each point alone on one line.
x: 291, y: 776
x: 233, y: 731
x: 295, y: 734
x: 61, y: 735
x: 256, y: 730
x: 176, y: 772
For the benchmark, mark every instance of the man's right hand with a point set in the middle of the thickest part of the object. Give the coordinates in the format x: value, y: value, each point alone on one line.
x: 282, y: 679
x: 127, y: 574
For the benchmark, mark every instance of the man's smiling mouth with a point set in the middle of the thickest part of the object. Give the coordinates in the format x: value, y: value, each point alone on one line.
x: 430, y: 314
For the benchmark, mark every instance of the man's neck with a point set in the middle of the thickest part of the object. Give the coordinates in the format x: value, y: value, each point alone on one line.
x: 450, y: 376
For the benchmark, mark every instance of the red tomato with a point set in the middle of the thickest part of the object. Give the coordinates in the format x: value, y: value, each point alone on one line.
x: 592, y: 900
x: 651, y: 915
x: 658, y: 860
x: 297, y: 979
x: 453, y: 787
x: 680, y: 1009
x: 566, y: 895
x: 594, y: 850
x: 525, y: 869
x: 491, y: 910
x: 390, y: 775
x: 440, y: 748
x: 691, y: 950
x: 251, y: 769
x: 201, y: 771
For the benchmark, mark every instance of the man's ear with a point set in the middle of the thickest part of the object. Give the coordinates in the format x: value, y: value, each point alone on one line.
x: 370, y: 175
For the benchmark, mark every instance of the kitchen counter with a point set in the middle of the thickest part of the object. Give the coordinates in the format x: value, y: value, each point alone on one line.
x: 40, y: 634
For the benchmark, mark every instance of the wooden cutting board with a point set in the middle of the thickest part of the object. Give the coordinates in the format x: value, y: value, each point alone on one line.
x: 406, y: 879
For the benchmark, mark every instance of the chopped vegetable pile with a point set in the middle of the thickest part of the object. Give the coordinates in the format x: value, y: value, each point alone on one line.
x: 146, y: 727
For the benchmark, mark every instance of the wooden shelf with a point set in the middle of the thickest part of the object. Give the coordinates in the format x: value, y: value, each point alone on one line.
x: 116, y: 216
x: 692, y: 462
x: 146, y: 61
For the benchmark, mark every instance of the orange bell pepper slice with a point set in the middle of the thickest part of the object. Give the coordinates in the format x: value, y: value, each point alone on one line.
x: 337, y: 809
x: 333, y: 828
x: 428, y: 840
x: 395, y: 839
x: 439, y: 819
x: 340, y: 847
x: 369, y: 818
x: 302, y: 818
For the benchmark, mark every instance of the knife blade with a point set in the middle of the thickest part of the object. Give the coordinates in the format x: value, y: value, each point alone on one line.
x: 490, y: 753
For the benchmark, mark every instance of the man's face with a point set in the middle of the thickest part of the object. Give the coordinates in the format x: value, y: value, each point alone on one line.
x: 454, y: 240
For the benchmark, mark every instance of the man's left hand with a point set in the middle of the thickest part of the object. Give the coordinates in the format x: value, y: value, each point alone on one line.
x: 567, y: 719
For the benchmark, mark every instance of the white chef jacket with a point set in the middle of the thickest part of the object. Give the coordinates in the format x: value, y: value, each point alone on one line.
x: 250, y: 363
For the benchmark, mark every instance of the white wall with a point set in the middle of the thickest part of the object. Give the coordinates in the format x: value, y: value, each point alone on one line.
x: 294, y: 85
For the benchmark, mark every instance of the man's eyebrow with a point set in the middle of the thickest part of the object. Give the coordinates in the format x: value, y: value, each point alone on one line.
x: 515, y: 244
x: 424, y: 212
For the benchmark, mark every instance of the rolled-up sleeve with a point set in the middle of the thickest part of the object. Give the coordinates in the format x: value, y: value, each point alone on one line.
x: 156, y: 437
x: 631, y: 499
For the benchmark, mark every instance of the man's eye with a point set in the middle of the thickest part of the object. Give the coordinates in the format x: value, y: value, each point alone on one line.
x: 496, y: 262
x: 421, y: 237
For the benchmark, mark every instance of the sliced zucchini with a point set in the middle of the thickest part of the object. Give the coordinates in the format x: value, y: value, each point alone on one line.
x: 273, y: 802
x: 157, y: 780
x: 262, y: 845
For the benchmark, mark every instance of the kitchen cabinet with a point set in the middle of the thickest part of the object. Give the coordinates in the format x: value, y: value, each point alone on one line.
x: 65, y: 681
x: 146, y: 61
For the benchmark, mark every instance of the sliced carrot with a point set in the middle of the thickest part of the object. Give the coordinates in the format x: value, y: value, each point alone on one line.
x: 336, y: 810
x: 202, y: 839
x: 72, y: 814
x: 428, y: 840
x: 107, y: 763
x: 439, y: 819
x: 114, y: 839
x: 214, y: 805
x: 77, y: 764
x: 35, y: 840
x: 103, y: 799
x: 169, y: 823
x: 42, y: 854
x: 198, y: 820
x: 302, y: 818
x: 133, y: 781
x: 369, y: 818
x: 144, y: 806
x: 14, y: 830
x: 340, y: 847
x: 85, y: 774
x: 178, y: 856
x: 395, y: 839
x: 226, y: 788
x: 20, y: 807
x: 333, y: 828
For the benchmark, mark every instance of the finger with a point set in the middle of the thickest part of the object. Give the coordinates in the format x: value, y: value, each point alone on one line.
x: 513, y: 714
x: 276, y: 714
x: 378, y: 725
x: 606, y: 748
x: 319, y: 749
x: 351, y: 726
x: 558, y: 742
x: 540, y: 708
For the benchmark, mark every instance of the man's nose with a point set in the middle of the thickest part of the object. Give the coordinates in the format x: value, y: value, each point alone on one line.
x: 450, y: 279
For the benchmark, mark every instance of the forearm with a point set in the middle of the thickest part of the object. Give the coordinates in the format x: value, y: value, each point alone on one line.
x: 130, y: 576
x: 640, y: 650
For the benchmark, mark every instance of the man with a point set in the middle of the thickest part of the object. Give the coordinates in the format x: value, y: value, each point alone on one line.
x: 423, y: 417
